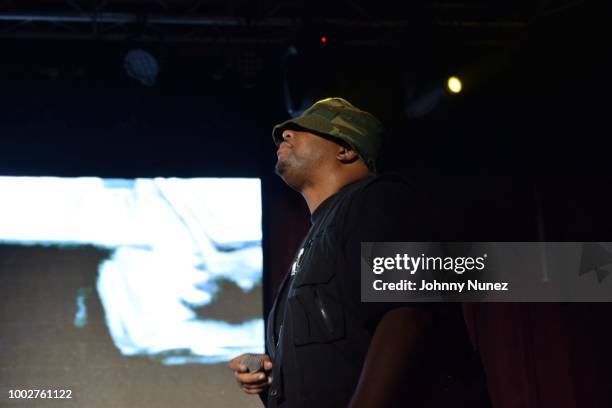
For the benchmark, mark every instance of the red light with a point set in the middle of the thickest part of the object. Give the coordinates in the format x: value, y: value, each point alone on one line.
x: 323, y: 40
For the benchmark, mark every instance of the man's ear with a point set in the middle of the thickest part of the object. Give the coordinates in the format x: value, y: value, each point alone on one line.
x: 347, y: 154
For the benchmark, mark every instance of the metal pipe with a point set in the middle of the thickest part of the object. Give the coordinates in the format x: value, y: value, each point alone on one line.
x: 128, y: 18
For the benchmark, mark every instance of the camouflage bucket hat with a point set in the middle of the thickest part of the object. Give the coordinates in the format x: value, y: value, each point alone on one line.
x: 339, y: 119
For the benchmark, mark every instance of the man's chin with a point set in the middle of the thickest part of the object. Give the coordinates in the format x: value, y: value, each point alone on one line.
x: 280, y: 168
x: 288, y: 174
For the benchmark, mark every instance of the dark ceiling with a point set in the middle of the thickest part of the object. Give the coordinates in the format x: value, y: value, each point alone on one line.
x: 474, y: 22
x: 531, y: 69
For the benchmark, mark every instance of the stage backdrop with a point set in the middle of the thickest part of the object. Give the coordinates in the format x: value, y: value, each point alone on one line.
x: 128, y: 293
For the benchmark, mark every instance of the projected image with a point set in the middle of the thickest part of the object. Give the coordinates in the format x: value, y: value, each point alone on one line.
x: 174, y: 266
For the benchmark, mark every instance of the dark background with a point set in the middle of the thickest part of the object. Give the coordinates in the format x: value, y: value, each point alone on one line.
x: 522, y: 154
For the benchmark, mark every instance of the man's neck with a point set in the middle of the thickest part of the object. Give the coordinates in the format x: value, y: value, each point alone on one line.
x: 316, y: 193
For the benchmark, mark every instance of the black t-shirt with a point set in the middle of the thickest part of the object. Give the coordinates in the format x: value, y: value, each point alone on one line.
x: 319, y: 330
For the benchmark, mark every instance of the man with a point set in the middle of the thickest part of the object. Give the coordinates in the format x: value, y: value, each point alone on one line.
x: 325, y: 347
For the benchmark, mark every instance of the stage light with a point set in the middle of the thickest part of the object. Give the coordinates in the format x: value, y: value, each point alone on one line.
x: 323, y: 40
x: 454, y: 84
x: 142, y: 66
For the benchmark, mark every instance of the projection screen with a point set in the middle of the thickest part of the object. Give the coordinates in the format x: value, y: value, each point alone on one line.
x: 128, y: 292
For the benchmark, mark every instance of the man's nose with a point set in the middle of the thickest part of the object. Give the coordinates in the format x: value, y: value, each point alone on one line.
x: 288, y: 134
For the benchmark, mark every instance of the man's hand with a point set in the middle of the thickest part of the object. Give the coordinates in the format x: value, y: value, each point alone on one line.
x: 252, y: 383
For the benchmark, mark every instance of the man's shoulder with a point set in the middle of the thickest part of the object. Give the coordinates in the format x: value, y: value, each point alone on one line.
x: 387, y: 182
x: 388, y: 207
x: 384, y: 188
x: 384, y: 195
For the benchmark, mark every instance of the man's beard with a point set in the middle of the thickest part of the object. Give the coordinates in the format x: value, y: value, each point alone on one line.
x: 280, y: 168
x: 285, y: 166
x: 290, y: 171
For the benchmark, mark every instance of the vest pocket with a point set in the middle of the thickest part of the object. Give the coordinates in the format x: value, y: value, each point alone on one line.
x: 317, y: 317
x: 314, y: 301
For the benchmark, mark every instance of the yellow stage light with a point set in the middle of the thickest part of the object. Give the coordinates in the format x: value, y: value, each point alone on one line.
x: 454, y: 84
